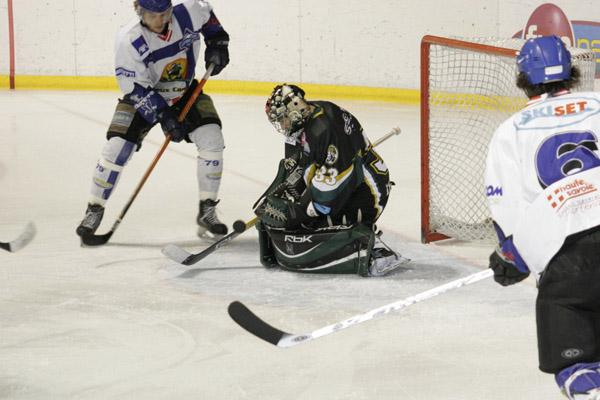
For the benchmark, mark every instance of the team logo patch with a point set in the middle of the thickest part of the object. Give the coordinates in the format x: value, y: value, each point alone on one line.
x: 189, y: 37
x: 174, y: 71
x: 140, y: 45
x: 332, y: 155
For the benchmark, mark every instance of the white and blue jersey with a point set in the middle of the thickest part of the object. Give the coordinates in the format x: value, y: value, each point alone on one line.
x: 155, y: 69
x: 542, y: 177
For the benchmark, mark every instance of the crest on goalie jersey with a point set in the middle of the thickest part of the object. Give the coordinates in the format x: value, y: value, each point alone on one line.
x: 174, y: 71
x: 332, y: 155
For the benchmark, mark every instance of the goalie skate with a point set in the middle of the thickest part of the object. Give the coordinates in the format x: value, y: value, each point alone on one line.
x: 209, y: 224
x: 385, y: 261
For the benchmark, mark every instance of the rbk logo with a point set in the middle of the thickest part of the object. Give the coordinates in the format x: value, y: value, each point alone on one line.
x: 297, y: 239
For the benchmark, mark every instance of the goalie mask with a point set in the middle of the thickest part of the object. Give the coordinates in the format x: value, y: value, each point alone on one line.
x: 287, y: 110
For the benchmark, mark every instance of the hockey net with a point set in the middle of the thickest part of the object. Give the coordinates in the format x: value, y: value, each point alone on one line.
x: 467, y: 90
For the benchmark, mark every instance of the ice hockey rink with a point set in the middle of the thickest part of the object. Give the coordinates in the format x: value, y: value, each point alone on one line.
x: 123, y: 322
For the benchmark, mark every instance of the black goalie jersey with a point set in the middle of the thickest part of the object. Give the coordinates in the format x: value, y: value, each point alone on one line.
x: 346, y: 178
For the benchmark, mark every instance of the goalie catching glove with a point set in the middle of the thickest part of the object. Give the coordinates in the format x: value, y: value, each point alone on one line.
x: 278, y: 212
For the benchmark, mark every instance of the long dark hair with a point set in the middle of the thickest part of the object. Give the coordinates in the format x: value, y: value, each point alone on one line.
x: 550, y: 88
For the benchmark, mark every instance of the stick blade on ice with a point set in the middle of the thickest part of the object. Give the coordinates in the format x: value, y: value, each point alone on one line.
x: 23, y: 240
x: 253, y: 324
x: 176, y: 253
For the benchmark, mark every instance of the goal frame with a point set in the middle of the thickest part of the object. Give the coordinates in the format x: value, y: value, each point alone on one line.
x: 427, y: 233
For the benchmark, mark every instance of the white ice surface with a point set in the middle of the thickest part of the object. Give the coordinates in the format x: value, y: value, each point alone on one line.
x: 124, y: 322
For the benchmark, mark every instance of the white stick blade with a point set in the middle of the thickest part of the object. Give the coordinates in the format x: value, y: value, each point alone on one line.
x: 175, y: 253
x: 24, y: 239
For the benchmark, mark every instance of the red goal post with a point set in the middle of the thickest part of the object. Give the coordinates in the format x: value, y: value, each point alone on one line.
x: 467, y: 90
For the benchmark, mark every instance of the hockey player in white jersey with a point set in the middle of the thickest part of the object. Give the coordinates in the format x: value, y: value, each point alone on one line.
x: 542, y: 180
x: 155, y: 61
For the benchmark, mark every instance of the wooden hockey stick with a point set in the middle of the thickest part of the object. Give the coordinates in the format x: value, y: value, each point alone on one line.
x: 24, y: 238
x: 181, y: 256
x: 98, y: 240
x: 245, y: 318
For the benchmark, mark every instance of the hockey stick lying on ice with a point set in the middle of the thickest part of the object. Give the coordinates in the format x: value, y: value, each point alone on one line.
x: 99, y: 240
x: 181, y: 256
x: 24, y: 238
x: 259, y: 328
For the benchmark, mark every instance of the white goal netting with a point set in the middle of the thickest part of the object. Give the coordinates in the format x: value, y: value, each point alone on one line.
x: 470, y: 94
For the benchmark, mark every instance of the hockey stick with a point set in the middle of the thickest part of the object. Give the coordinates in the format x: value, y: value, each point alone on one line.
x: 98, y: 240
x: 181, y: 256
x: 24, y: 238
x: 259, y: 328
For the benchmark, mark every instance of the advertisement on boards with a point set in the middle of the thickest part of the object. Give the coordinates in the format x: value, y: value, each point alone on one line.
x: 550, y: 19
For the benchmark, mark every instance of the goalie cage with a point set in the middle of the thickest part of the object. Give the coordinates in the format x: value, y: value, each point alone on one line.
x: 467, y: 90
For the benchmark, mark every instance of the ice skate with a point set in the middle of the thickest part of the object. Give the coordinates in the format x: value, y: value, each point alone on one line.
x: 208, y: 222
x: 385, y: 261
x: 91, y: 221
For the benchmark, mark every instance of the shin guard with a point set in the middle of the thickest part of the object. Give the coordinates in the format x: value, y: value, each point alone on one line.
x: 115, y: 155
x: 209, y: 140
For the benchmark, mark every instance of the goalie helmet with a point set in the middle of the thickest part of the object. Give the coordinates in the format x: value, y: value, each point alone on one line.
x: 544, y: 59
x: 287, y: 110
x: 155, y: 6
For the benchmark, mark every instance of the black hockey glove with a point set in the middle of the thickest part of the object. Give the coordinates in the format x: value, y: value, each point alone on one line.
x: 505, y: 271
x: 217, y: 52
x: 170, y: 125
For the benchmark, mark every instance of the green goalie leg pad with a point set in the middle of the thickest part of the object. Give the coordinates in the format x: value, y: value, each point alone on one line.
x: 265, y: 247
x: 337, y: 250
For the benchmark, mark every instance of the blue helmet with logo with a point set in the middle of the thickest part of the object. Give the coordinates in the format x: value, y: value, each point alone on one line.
x: 544, y: 59
x: 157, y: 6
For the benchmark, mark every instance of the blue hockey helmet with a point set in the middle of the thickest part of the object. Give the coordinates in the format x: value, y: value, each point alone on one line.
x: 544, y: 59
x: 156, y: 6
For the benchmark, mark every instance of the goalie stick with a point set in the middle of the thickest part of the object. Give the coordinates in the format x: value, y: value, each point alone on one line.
x: 99, y: 240
x: 259, y: 328
x: 181, y: 256
x: 24, y: 238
